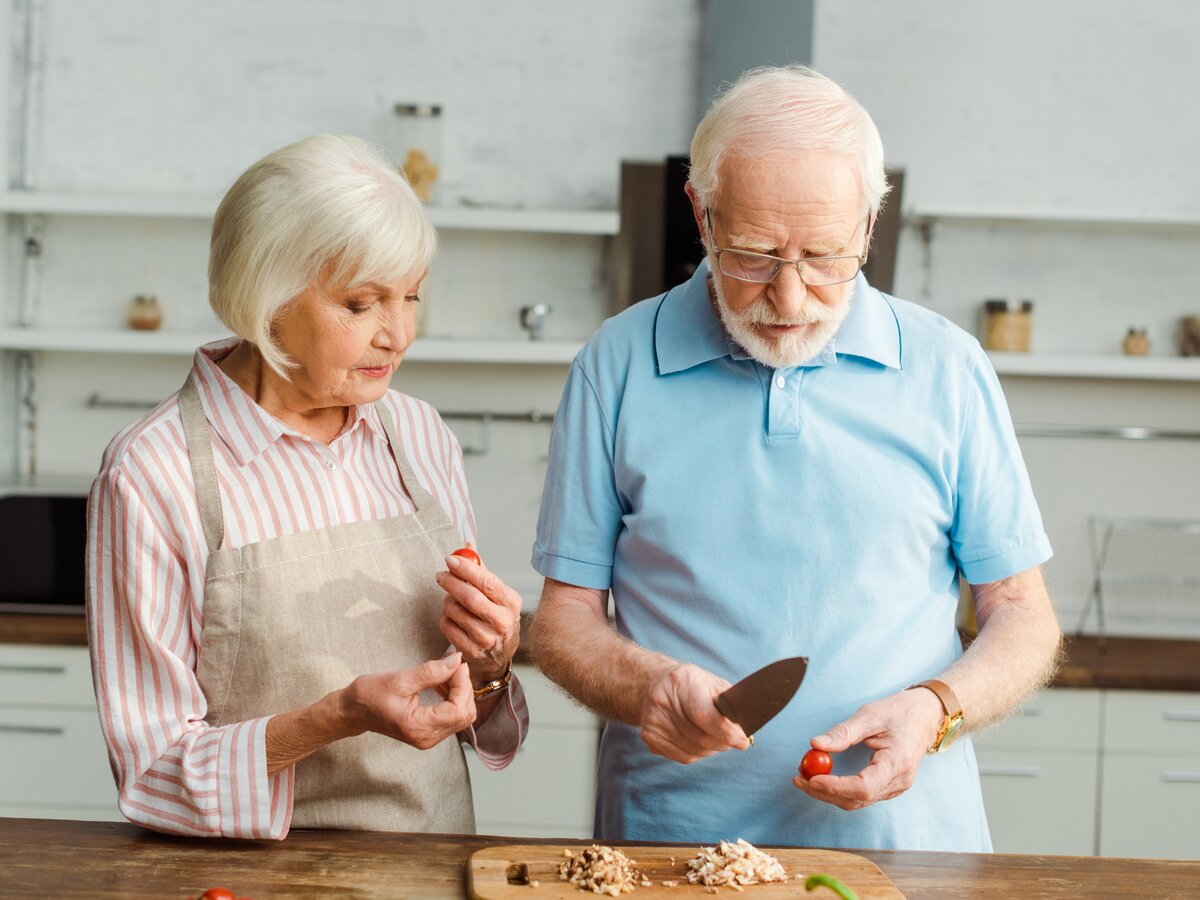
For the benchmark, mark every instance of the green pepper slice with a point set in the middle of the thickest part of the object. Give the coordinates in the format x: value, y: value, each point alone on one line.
x: 816, y: 881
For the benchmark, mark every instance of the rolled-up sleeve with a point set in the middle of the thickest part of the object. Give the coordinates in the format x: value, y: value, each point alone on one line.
x: 174, y: 772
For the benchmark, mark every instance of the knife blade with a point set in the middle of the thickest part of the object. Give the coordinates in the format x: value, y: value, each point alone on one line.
x: 757, y: 699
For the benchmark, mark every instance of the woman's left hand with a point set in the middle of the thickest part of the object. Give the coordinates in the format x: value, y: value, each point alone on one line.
x: 481, y: 617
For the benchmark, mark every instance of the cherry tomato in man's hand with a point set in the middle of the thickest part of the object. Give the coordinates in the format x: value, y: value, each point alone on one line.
x: 816, y: 762
x: 218, y: 893
x: 468, y: 553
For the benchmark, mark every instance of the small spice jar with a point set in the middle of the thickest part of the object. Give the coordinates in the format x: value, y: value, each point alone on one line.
x: 1136, y: 342
x: 144, y: 313
x: 417, y: 140
x: 1007, y: 325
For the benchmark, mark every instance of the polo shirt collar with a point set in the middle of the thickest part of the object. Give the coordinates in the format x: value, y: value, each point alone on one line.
x: 688, y: 332
x: 243, y: 426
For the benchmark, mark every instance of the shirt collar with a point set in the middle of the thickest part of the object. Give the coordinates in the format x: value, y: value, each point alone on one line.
x: 688, y: 331
x: 245, y: 427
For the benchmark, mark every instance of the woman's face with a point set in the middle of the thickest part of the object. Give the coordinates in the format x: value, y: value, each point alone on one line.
x: 348, y: 341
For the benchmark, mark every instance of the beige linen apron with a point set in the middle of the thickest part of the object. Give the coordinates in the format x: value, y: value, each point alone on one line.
x: 288, y: 620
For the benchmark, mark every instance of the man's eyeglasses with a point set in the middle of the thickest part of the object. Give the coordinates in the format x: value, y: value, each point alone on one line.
x: 761, y: 268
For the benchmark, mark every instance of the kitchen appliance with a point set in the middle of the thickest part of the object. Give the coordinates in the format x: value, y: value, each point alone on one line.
x: 42, y: 540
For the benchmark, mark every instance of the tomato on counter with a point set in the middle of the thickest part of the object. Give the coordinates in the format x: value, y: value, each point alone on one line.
x: 816, y: 762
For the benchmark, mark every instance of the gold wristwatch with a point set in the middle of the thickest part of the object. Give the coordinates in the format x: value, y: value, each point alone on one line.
x: 952, y: 721
x: 497, y: 684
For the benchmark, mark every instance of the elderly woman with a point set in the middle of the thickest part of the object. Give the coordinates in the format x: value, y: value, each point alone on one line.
x: 271, y: 584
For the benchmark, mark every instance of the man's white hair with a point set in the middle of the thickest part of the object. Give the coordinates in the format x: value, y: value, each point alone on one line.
x: 779, y: 108
x: 329, y: 206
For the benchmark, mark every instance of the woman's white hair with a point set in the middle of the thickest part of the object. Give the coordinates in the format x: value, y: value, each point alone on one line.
x: 778, y: 108
x: 329, y: 206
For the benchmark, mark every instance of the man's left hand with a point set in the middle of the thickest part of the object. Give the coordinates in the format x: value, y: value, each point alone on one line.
x: 481, y: 617
x: 900, y: 729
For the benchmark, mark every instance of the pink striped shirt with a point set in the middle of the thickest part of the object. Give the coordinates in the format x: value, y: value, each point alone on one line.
x: 145, y: 588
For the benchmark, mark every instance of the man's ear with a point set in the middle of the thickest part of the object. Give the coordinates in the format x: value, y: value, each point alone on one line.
x: 698, y: 213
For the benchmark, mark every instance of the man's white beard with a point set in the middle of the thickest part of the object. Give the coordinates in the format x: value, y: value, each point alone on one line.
x: 787, y: 350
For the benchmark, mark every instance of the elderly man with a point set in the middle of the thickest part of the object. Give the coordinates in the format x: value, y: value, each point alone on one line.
x: 774, y: 459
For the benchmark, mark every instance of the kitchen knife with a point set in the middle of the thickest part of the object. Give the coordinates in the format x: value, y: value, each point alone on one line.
x: 756, y: 699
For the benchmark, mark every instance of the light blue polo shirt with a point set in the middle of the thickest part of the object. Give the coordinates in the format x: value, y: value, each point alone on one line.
x: 741, y: 514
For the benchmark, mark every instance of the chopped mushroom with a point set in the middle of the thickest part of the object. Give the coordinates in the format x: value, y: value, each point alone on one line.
x: 601, y: 870
x: 734, y: 865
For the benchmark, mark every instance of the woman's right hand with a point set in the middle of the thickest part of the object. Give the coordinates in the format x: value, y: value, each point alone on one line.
x: 389, y: 702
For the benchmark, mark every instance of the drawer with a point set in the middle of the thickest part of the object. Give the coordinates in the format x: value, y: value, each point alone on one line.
x: 1061, y: 719
x: 1152, y: 722
x: 63, y: 760
x: 548, y: 705
x: 1039, y: 802
x: 33, y: 675
x: 1149, y: 806
x: 550, y: 787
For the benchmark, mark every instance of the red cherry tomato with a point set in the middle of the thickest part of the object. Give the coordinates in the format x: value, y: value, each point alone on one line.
x: 218, y: 893
x: 468, y: 553
x: 816, y: 762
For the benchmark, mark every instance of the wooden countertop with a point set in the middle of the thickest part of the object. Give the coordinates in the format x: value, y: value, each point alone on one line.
x: 1147, y: 664
x: 42, y: 858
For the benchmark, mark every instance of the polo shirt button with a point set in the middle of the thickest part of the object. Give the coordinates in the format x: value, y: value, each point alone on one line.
x: 780, y: 382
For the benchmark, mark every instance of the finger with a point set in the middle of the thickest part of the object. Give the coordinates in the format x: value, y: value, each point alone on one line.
x: 843, y: 791
x: 488, y: 628
x: 460, y: 639
x: 432, y: 673
x: 489, y: 586
x: 846, y: 734
x: 461, y: 692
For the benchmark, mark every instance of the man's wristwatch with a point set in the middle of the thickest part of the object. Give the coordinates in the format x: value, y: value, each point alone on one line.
x: 497, y: 684
x: 952, y: 721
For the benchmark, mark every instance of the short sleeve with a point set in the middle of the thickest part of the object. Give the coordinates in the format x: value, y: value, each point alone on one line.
x: 581, y: 508
x: 997, y: 530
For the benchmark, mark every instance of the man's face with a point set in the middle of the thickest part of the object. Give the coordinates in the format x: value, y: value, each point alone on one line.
x: 793, y: 204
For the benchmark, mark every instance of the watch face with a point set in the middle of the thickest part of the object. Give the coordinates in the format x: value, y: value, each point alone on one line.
x: 952, y: 732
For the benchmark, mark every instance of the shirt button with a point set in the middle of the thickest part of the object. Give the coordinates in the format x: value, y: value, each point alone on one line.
x: 780, y: 382
x: 330, y: 466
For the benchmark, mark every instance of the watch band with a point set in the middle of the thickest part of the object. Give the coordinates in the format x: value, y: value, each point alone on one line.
x: 497, y: 684
x: 949, y: 700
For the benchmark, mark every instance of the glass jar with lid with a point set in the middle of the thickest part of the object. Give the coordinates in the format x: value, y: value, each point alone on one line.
x: 416, y: 141
x: 1007, y: 325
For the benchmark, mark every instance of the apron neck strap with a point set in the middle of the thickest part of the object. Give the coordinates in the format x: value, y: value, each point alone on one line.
x: 421, y: 498
x: 204, y: 469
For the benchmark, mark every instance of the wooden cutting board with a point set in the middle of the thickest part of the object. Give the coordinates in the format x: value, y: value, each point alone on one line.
x: 504, y: 873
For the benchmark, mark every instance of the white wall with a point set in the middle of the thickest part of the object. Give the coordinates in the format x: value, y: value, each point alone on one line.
x: 1073, y: 105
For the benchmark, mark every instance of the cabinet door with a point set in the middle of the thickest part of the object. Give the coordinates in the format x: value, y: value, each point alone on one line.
x: 54, y: 758
x: 1150, y: 805
x: 1058, y: 719
x: 1153, y: 722
x: 45, y: 676
x: 1039, y: 801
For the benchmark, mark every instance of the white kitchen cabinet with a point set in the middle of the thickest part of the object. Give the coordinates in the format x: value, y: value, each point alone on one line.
x: 549, y: 789
x: 1039, y: 774
x: 1150, y: 789
x: 56, y: 759
x: 1095, y: 772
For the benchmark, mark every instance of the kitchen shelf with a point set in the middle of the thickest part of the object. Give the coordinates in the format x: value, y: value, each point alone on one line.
x: 1053, y: 214
x: 176, y: 343
x: 203, y: 206
x: 1061, y: 365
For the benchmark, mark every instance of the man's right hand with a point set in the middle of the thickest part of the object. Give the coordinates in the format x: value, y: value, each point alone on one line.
x: 680, y: 719
x: 389, y: 703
